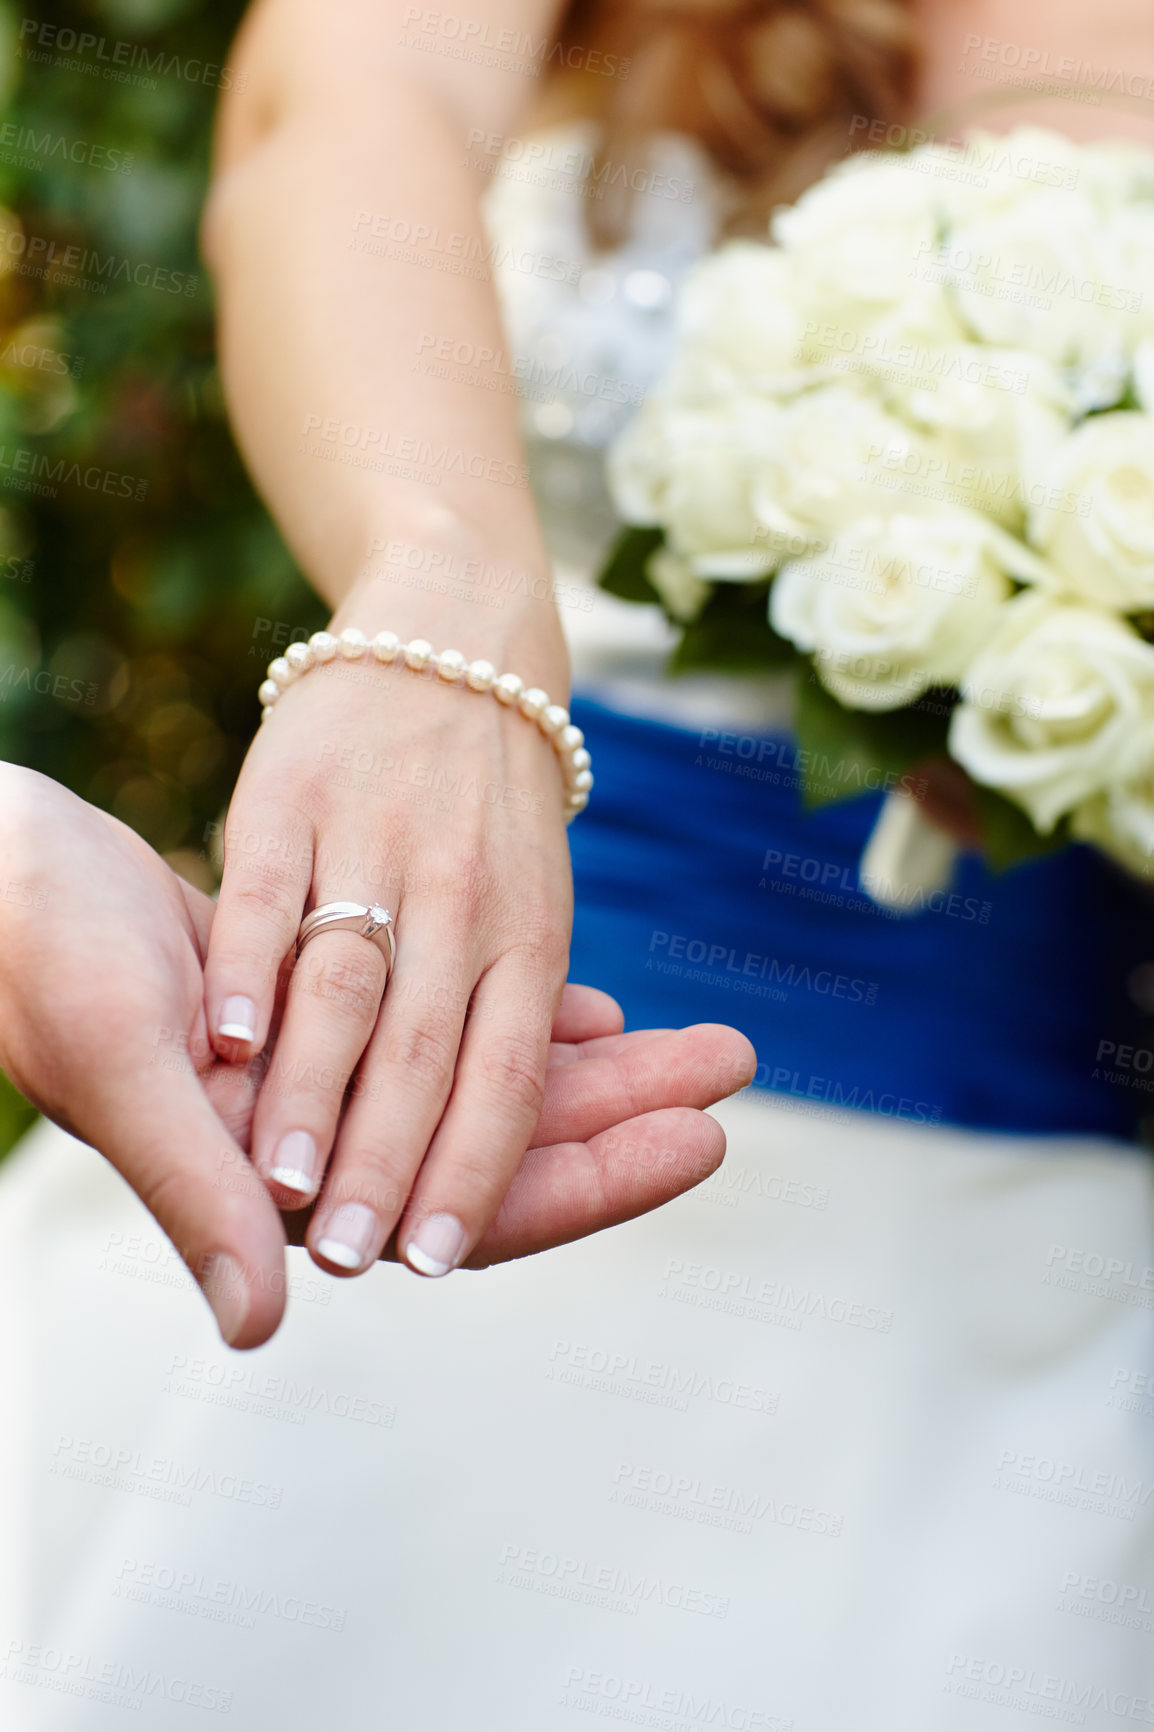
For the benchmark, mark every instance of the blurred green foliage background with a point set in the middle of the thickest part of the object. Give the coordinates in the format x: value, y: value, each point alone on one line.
x: 138, y: 571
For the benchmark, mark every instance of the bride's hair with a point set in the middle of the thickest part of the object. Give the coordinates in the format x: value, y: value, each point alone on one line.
x: 774, y: 90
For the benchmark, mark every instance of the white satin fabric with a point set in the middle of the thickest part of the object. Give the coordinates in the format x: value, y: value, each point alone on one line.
x: 854, y: 1436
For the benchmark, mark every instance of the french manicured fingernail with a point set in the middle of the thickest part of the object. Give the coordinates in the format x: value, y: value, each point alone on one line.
x: 226, y: 1289
x: 436, y: 1245
x: 237, y: 1019
x: 294, y: 1165
x: 350, y: 1235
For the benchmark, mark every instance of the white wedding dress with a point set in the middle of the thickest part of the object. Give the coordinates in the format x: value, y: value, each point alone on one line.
x: 858, y: 1435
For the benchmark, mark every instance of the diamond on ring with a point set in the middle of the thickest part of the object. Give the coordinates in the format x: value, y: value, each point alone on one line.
x: 372, y: 922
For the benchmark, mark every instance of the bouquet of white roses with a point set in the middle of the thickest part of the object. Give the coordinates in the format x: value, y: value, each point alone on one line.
x: 910, y: 439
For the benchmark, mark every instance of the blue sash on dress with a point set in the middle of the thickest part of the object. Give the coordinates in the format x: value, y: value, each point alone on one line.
x: 707, y: 893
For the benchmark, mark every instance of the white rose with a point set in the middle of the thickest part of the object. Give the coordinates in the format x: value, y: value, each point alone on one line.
x: 877, y: 341
x: 638, y: 462
x: 1094, y: 519
x: 899, y: 604
x: 1132, y: 238
x: 1120, y: 821
x: 1045, y: 275
x: 992, y: 172
x: 867, y: 190
x: 1052, y: 705
x: 1116, y: 173
x: 840, y: 456
x: 851, y: 243
x: 738, y: 329
x: 988, y: 417
x: 694, y: 471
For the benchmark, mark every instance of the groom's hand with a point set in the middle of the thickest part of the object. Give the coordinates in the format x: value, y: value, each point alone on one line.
x: 621, y: 1131
x: 102, y: 1026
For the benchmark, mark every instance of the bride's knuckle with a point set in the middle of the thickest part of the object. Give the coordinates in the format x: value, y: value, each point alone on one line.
x: 476, y: 1178
x: 535, y: 911
x: 263, y: 896
x: 351, y: 983
x: 552, y: 947
x: 464, y: 885
x: 254, y: 963
x: 367, y: 1174
x: 541, y: 940
x: 422, y: 1050
x: 269, y: 838
x: 513, y: 1070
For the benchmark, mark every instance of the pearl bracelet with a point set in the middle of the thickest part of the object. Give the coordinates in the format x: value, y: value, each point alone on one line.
x: 553, y: 719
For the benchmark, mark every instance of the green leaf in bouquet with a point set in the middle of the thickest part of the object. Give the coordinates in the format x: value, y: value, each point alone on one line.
x: 732, y: 633
x: 625, y: 571
x: 851, y: 752
x: 1008, y: 836
x: 16, y: 1115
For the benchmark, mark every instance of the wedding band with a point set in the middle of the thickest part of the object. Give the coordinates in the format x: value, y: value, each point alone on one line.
x: 372, y: 922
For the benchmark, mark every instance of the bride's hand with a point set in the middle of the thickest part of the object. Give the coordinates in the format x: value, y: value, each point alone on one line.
x: 102, y: 1027
x: 622, y: 1129
x: 373, y: 785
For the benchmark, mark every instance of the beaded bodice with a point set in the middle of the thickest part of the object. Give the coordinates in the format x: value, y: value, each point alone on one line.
x: 589, y: 330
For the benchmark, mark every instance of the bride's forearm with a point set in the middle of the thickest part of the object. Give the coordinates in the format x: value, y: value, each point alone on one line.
x: 348, y: 247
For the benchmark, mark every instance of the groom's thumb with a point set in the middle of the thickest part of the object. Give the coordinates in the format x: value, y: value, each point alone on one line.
x: 162, y: 1135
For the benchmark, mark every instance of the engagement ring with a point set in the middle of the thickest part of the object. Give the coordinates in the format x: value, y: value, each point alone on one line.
x: 372, y: 922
